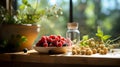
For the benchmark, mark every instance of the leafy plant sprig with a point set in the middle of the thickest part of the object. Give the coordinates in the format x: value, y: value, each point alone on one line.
x: 103, y: 38
x: 29, y: 14
x: 101, y: 35
x: 83, y: 42
x: 5, y: 17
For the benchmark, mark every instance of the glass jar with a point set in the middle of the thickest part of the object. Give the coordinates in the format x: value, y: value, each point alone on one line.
x: 73, y: 33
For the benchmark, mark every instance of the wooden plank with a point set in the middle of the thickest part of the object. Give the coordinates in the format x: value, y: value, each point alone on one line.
x: 5, y: 57
x: 111, y: 59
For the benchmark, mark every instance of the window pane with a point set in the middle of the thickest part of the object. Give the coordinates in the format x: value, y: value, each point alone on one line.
x: 54, y: 25
x: 91, y: 13
x: 88, y: 13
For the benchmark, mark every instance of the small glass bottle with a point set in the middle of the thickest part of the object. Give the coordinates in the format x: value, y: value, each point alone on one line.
x: 73, y: 33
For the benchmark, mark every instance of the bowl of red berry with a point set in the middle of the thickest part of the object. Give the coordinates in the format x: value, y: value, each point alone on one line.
x: 53, y: 44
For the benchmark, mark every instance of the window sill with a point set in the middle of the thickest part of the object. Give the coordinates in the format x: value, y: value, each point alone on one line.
x: 33, y: 57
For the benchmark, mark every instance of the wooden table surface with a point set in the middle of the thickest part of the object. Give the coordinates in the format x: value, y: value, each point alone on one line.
x: 111, y: 59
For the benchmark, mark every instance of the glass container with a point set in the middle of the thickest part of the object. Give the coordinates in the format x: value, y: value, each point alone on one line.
x: 73, y: 33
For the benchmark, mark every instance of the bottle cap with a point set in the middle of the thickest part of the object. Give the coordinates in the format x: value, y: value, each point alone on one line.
x: 72, y: 25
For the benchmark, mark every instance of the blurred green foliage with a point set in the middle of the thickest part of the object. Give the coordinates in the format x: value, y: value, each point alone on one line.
x: 54, y: 25
x: 93, y: 13
x: 89, y: 14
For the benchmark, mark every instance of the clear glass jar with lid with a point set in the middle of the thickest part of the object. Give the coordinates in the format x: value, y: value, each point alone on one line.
x: 73, y: 33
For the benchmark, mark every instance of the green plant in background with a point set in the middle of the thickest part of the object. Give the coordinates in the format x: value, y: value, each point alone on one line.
x: 83, y: 42
x: 105, y: 39
x: 101, y: 38
x: 5, y: 17
x: 101, y: 35
x: 28, y: 14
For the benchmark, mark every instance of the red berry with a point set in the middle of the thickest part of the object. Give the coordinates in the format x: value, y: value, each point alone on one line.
x: 54, y: 42
x: 52, y: 36
x: 59, y: 36
x: 63, y: 42
x: 38, y: 44
x: 50, y: 40
x: 43, y: 39
x: 47, y: 38
x: 45, y: 44
x: 59, y: 44
x: 63, y: 39
x: 57, y: 39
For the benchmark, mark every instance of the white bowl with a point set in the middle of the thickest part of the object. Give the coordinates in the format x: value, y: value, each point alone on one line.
x: 52, y: 50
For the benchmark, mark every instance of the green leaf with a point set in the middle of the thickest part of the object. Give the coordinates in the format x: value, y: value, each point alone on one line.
x: 99, y: 31
x: 25, y: 2
x: 84, y: 43
x: 22, y: 7
x: 99, y: 35
x: 23, y: 39
x: 85, y: 37
x: 105, y: 37
x: 40, y: 12
x: 29, y: 5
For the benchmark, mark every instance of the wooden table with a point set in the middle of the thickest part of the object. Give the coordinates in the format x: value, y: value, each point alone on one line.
x: 34, y: 59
